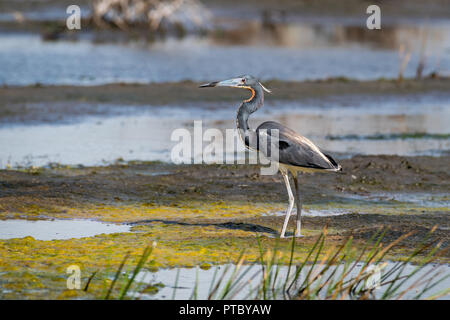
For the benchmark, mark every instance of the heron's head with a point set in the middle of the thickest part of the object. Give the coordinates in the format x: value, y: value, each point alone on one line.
x: 244, y: 82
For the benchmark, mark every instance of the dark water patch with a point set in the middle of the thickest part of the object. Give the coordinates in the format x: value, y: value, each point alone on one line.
x: 57, y: 113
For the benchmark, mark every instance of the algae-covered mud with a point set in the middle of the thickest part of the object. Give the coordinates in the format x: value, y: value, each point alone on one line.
x: 207, y: 214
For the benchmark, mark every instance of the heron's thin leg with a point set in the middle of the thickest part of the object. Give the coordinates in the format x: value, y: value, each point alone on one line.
x: 291, y: 202
x: 298, y: 200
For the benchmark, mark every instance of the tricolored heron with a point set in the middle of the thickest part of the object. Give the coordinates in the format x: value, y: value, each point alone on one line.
x: 296, y: 153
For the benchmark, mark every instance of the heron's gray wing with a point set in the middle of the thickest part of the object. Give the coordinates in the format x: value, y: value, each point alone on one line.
x: 294, y: 149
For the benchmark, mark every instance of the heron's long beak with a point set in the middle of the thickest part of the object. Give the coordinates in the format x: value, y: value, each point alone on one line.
x: 235, y: 82
x: 206, y: 85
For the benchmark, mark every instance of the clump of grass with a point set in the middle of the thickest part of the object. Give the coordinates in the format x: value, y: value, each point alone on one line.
x: 130, y: 279
x: 339, y: 272
x: 329, y: 272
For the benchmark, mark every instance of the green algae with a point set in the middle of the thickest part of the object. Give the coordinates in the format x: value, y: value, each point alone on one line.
x: 176, y: 246
x: 37, y: 269
x: 208, y: 223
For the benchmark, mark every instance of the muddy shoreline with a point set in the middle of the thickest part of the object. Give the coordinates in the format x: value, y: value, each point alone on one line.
x: 162, y: 93
x: 158, y: 192
x: 56, y: 103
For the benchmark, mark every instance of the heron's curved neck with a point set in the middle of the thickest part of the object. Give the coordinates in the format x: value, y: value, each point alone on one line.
x: 248, y: 107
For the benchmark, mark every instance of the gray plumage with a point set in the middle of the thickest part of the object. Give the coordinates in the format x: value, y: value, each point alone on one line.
x: 293, y: 152
x: 296, y: 150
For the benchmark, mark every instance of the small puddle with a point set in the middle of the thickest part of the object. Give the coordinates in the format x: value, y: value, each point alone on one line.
x: 57, y: 229
x: 312, y: 212
x: 188, y: 278
x: 153, y: 174
x: 428, y: 200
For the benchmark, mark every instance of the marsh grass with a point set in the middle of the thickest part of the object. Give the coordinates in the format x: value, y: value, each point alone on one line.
x: 336, y: 272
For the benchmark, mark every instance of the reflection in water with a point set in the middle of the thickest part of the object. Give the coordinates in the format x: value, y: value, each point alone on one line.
x: 190, y: 278
x: 43, y: 14
x: 331, y: 35
x: 56, y: 229
x: 283, y: 51
x: 146, y: 136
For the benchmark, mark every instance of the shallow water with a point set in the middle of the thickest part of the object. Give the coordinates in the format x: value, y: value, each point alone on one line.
x: 188, y: 279
x: 146, y: 134
x: 44, y: 14
x: 312, y: 212
x: 418, y: 199
x: 48, y: 13
x: 56, y: 229
x: 288, y: 52
x: 375, y: 200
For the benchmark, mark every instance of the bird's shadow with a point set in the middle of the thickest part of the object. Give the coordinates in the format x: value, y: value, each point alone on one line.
x: 226, y: 225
